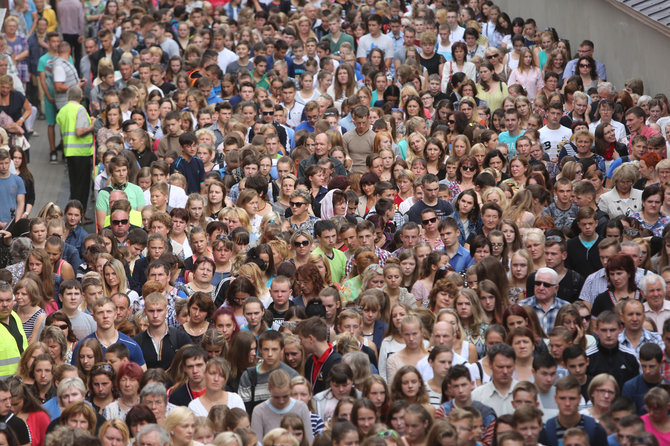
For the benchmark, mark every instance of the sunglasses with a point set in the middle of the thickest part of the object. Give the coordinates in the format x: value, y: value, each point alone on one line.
x: 299, y: 244
x: 297, y: 203
x: 429, y: 220
x: 470, y: 168
x: 451, y: 121
x: 587, y: 318
x: 120, y: 222
x: 491, y: 56
x: 62, y: 327
x: 544, y: 284
x: 268, y: 113
x: 584, y: 65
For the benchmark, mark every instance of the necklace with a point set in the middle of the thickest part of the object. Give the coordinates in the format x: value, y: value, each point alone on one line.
x: 197, y: 331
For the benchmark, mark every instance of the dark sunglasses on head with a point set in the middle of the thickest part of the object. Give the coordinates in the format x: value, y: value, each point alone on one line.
x: 303, y: 243
x: 429, y: 220
x: 470, y: 168
x: 120, y: 222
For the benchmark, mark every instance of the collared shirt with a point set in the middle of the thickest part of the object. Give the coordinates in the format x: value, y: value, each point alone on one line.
x: 646, y: 338
x: 318, y: 363
x: 461, y: 260
x: 596, y: 283
x: 548, y: 317
x: 488, y: 394
x: 659, y: 317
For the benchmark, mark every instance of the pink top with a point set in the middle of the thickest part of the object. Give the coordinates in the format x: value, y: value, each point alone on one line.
x: 531, y: 80
x: 663, y: 438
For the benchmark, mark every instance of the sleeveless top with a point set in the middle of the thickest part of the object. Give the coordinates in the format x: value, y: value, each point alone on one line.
x: 29, y: 325
x: 61, y: 262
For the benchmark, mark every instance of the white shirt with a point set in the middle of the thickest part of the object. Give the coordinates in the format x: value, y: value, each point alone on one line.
x: 659, y: 317
x: 226, y: 57
x: 619, y: 128
x: 551, y: 138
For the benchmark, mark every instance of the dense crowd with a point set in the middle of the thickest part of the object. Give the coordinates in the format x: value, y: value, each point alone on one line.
x: 328, y: 223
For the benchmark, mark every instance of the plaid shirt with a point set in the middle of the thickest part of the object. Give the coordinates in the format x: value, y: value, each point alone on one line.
x: 382, y: 254
x: 172, y: 294
x: 646, y: 338
x: 547, y: 318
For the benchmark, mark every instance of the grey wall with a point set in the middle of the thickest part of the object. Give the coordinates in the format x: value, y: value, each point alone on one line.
x: 628, y: 47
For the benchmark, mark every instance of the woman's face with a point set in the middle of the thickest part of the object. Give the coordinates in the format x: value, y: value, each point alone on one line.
x: 652, y: 205
x: 509, y: 233
x: 604, y: 395
x: 459, y: 148
x: 226, y: 325
x: 78, y: 421
x: 287, y: 187
x: 463, y: 307
x: 111, y: 278
x: 517, y: 169
x: 465, y: 205
x: 415, y: 429
x: 199, y: 243
x: 497, y: 163
x: 432, y: 152
x: 86, y: 358
x: 467, y: 109
x: 459, y: 54
x: 342, y: 77
x: 214, y: 379
x: 413, y: 108
x: 22, y: 297
x: 514, y: 321
x: 497, y: 243
x: 411, y: 333
x: 535, y: 248
x: 410, y: 385
x: 443, y: 300
x: 623, y: 186
x: 619, y: 278
x: 38, y: 233
x: 422, y: 253
x: 112, y: 437
x: 293, y: 356
x: 386, y: 154
x: 183, y: 433
x: 301, y: 245
x: 196, y: 315
x: 487, y: 300
x: 408, y: 266
x: 397, y: 314
x: 570, y: 323
x: 523, y: 346
x: 128, y: 386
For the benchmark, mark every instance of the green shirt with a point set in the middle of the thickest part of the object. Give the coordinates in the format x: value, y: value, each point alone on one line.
x: 335, y: 46
x: 263, y: 83
x: 337, y: 264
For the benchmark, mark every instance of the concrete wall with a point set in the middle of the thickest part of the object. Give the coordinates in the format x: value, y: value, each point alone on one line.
x: 628, y: 46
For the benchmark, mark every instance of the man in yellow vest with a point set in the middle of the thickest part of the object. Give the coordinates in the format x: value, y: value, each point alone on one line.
x: 77, y: 133
x: 12, y: 337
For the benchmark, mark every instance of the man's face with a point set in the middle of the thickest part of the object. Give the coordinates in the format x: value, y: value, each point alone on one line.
x: 585, y: 51
x: 655, y: 294
x: 554, y: 116
x: 544, y: 378
x: 105, y: 42
x: 156, y: 312
x: 608, y: 332
x: 587, y: 226
x: 120, y: 223
x: 577, y: 366
x: 511, y: 121
x: 530, y: 431
x: 159, y: 274
x: 362, y: 124
x: 522, y: 397
x: 5, y: 403
x: 553, y: 256
x: 545, y: 287
x: 321, y: 145
x: 633, y: 316
x: 651, y: 370
x: 624, y: 435
x: 366, y: 238
x: 490, y: 219
x: 71, y: 298
x: 503, y: 369
x: 104, y: 316
x: 564, y: 193
x: 568, y: 401
x: 461, y: 389
x: 120, y: 175
x: 122, y: 309
x: 272, y: 353
x: 4, y: 65
x: 55, y: 41
x: 195, y: 369
x: 410, y: 237
x: 430, y: 191
x: 373, y: 27
x: 328, y: 238
x: 634, y: 123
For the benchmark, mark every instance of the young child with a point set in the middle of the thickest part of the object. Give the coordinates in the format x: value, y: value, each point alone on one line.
x: 203, y: 430
x: 188, y: 164
x: 259, y: 76
x: 159, y: 196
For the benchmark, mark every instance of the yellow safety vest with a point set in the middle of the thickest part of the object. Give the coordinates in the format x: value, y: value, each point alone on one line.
x: 74, y: 145
x: 9, y: 351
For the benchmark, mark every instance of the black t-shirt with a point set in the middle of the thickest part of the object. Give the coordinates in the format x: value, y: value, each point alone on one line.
x: 19, y: 427
x: 442, y: 209
x: 432, y: 65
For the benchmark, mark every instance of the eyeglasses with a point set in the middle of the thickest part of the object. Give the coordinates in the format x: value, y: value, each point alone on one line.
x: 631, y: 232
x: 544, y: 284
x: 268, y: 113
x: 587, y: 318
x: 120, y: 222
x: 491, y: 56
x: 297, y: 203
x: 584, y: 65
x: 606, y: 392
x: 303, y: 243
x: 62, y: 327
x: 470, y: 168
x: 451, y: 121
x: 429, y: 220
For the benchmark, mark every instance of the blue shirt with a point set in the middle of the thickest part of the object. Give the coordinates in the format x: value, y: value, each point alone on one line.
x: 636, y: 389
x: 193, y: 170
x: 462, y: 260
x: 10, y: 188
x: 547, y: 318
x: 305, y: 126
x: 136, y: 355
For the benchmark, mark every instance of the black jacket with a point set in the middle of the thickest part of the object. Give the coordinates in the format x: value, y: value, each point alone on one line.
x: 100, y: 54
x: 173, y: 341
x: 321, y: 382
x: 582, y: 260
x: 568, y: 288
x: 620, y: 362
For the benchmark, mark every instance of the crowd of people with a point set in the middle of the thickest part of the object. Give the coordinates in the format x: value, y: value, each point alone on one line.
x: 328, y: 223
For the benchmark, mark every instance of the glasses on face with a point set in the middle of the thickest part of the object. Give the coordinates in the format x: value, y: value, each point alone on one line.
x: 584, y: 65
x: 303, y: 243
x: 120, y: 222
x: 451, y: 121
x: 297, y: 204
x: 544, y: 284
x: 268, y: 113
x: 429, y: 220
x: 587, y: 318
x: 470, y: 168
x: 61, y: 326
x: 491, y: 56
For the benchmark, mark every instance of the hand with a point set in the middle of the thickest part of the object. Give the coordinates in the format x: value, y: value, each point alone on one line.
x: 80, y: 39
x: 3, y: 224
